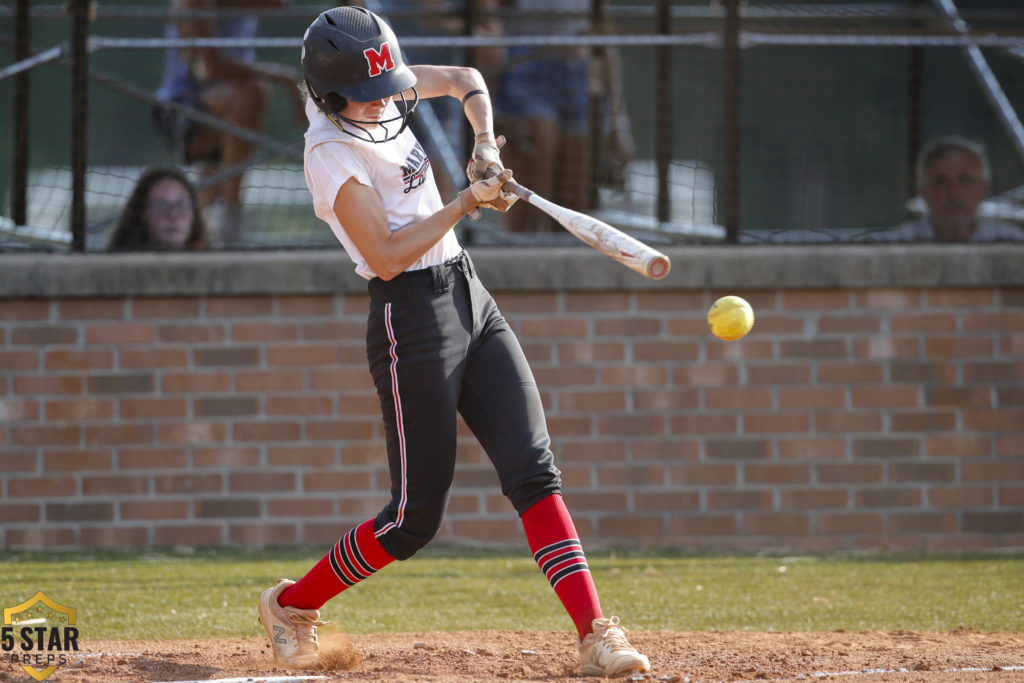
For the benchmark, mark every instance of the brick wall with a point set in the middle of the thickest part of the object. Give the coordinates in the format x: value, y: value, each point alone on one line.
x: 228, y: 402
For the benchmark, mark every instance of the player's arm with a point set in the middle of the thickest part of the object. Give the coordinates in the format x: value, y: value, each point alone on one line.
x: 457, y: 82
x: 388, y: 253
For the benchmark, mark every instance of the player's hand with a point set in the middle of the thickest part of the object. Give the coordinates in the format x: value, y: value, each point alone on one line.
x: 486, y: 163
x: 486, y: 192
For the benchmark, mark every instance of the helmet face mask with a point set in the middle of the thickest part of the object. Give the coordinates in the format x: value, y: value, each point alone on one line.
x: 349, y: 54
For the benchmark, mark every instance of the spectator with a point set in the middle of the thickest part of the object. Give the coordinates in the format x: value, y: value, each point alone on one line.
x: 953, y: 177
x: 228, y: 84
x: 162, y: 213
x: 544, y: 104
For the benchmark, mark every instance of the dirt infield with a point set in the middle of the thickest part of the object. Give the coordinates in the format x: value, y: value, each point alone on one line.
x: 960, y: 655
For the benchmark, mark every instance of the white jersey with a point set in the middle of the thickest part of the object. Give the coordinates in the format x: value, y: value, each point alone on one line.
x: 398, y: 170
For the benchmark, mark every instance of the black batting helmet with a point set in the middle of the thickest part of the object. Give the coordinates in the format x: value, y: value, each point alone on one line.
x: 350, y: 53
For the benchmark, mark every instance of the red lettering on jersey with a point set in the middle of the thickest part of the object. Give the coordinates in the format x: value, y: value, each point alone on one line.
x: 379, y: 61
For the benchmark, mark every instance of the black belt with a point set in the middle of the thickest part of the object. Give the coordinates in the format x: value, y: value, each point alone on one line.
x: 439, y: 278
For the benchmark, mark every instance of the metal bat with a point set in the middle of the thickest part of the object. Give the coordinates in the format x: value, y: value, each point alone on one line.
x: 628, y: 251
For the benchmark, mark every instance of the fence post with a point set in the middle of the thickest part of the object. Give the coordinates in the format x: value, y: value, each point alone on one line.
x: 731, y: 121
x: 79, y: 119
x: 663, y: 112
x: 19, y: 180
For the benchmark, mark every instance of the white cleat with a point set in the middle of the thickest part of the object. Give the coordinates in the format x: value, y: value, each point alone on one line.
x: 606, y: 652
x: 292, y: 631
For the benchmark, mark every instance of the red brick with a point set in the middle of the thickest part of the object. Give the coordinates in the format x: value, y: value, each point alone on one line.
x: 776, y: 423
x: 151, y: 458
x: 931, y: 421
x: 51, y: 384
x: 738, y: 399
x: 960, y: 497
x: 923, y: 523
x: 811, y: 349
x: 359, y: 508
x: 813, y: 499
x: 703, y: 475
x: 900, y: 299
x: 330, y: 480
x: 959, y: 397
x: 79, y: 512
x: 989, y: 471
x: 13, y: 410
x: 299, y: 455
x: 19, y: 461
x: 747, y: 348
x: 628, y: 326
x: 193, y: 432
x: 958, y: 347
x: 777, y: 524
x: 850, y: 373
x: 1009, y: 445
x: 165, y: 307
x: 189, y: 535
x: 58, y: 486
x: 188, y: 483
x: 993, y: 521
x: 958, y: 445
x: 14, y: 361
x: 153, y: 408
x: 1008, y: 496
x: 776, y: 374
x: 45, y: 435
x: 131, y: 359
x: 335, y: 430
x: 697, y: 424
x: 902, y: 472
x: 85, y: 309
x: 845, y: 422
x: 117, y: 485
x: 604, y: 450
x: 745, y: 499
x: 890, y: 497
x: 592, y: 401
x: 195, y: 382
x: 566, y: 326
x: 885, y: 397
x: 65, y: 359
x: 849, y: 473
x: 823, y: 299
x: 703, y: 525
x: 25, y: 310
x: 262, y: 533
x: 591, y: 351
x: 706, y: 375
x: 887, y: 347
x: 631, y: 526
x: 635, y: 425
x: 301, y: 507
x: 526, y: 302
x: 39, y: 537
x: 634, y: 375
x: 811, y: 397
x: 335, y: 331
x: 997, y: 321
x: 851, y: 523
x: 561, y: 427
x: 118, y: 335
x: 226, y: 406
x: 115, y: 537
x: 665, y: 351
x: 886, y: 447
x: 14, y: 514
x: 266, y: 482
x: 239, y: 307
x: 602, y: 501
x: 305, y: 356
x: 1005, y: 396
x: 992, y: 420
x: 118, y: 434
x: 306, y: 305
x: 536, y: 352
x: 226, y: 457
x: 771, y: 323
x: 686, y: 326
x: 43, y: 335
x: 487, y: 529
x: 300, y: 405
x: 579, y: 302
x: 960, y: 298
x: 670, y: 301
x: 995, y: 372
x: 364, y: 404
x: 923, y: 372
x: 665, y: 399
x: 849, y: 323
x: 340, y: 380
x: 633, y: 475
x: 140, y: 383
x: 272, y: 380
x: 812, y: 448
x: 193, y: 333
x: 233, y: 357
x: 923, y: 322
x: 776, y: 474
x: 77, y: 460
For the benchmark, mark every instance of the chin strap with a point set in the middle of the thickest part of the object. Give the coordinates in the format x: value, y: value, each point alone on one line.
x: 368, y: 135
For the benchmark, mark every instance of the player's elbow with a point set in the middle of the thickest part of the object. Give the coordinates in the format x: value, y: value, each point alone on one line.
x: 385, y: 269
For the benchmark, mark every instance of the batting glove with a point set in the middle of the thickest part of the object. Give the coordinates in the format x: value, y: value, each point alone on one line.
x: 486, y: 163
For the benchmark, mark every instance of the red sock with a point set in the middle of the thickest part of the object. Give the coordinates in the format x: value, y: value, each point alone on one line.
x: 354, y: 558
x: 556, y: 548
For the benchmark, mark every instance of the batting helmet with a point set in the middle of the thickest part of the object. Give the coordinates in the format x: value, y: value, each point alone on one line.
x: 351, y: 54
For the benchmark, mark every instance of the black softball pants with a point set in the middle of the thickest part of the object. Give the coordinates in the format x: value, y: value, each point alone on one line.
x: 437, y: 346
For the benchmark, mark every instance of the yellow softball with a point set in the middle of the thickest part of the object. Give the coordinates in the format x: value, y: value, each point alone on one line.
x: 730, y: 318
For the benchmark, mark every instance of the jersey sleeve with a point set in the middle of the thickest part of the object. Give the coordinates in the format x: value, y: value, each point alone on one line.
x: 330, y: 166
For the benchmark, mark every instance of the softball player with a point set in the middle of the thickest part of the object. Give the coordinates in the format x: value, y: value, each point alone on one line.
x: 436, y: 343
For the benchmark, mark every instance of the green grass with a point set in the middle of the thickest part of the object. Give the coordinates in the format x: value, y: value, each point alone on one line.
x: 205, y: 593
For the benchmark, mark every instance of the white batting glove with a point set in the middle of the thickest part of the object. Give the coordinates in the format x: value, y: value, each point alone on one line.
x: 484, y: 193
x: 486, y: 163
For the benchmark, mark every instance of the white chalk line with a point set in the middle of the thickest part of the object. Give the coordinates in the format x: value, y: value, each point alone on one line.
x: 904, y: 670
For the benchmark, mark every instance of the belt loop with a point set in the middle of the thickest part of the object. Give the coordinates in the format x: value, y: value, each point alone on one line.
x: 440, y: 278
x: 466, y: 264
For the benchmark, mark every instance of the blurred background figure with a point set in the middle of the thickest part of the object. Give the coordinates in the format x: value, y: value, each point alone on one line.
x: 953, y: 179
x: 162, y: 213
x: 546, y: 101
x: 228, y: 84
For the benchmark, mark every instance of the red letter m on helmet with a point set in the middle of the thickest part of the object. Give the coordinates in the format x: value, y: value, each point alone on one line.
x: 379, y: 61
